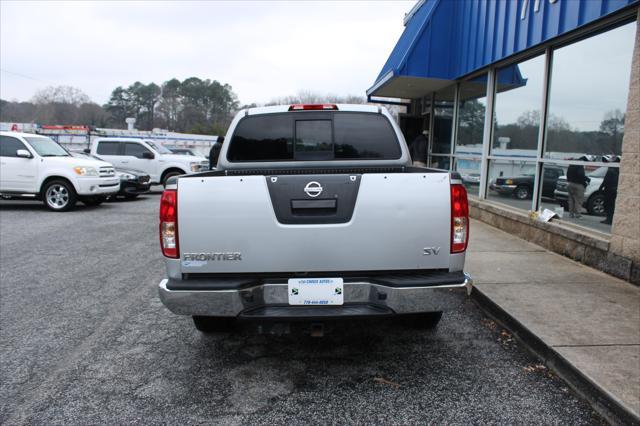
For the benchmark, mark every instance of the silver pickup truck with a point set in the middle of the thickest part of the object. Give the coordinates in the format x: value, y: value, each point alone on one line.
x: 313, y: 213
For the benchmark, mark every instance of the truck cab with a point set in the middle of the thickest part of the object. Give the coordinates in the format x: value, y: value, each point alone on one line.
x: 148, y: 156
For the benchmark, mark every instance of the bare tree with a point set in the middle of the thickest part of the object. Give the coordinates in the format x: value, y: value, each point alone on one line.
x: 62, y: 95
x: 310, y: 97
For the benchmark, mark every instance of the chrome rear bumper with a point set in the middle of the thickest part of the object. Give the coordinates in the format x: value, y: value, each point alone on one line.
x: 271, y: 300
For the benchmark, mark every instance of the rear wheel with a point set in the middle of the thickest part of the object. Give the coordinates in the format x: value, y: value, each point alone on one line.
x: 59, y: 196
x: 170, y: 175
x: 522, y: 192
x: 206, y: 324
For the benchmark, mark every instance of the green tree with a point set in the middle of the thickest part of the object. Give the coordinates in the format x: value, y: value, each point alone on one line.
x: 120, y: 106
x: 170, y: 103
x: 144, y: 98
x: 193, y: 105
x: 471, y: 122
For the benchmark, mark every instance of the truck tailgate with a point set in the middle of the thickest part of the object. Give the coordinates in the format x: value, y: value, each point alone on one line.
x: 228, y: 224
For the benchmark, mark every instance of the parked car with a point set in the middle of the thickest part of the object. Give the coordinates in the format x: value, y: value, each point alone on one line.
x: 36, y: 167
x: 521, y: 187
x: 471, y: 179
x: 314, y: 212
x: 132, y: 182
x: 184, y: 151
x: 147, y: 156
x: 593, y: 197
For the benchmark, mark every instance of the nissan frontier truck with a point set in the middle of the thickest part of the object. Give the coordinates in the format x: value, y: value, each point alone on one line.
x: 314, y: 213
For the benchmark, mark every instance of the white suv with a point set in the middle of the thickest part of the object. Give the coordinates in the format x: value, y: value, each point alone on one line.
x: 34, y: 166
x: 148, y: 156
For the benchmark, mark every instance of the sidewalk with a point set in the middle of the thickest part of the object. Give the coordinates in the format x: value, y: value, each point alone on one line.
x: 588, y: 318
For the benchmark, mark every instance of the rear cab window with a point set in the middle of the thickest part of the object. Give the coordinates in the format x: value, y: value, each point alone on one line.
x: 312, y: 136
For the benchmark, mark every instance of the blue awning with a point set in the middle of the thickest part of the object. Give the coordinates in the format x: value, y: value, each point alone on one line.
x: 399, y: 76
x: 445, y: 40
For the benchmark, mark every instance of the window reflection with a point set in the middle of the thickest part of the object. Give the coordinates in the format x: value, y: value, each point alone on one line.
x: 511, y: 182
x: 471, y: 111
x: 469, y: 169
x: 517, y: 108
x: 588, y: 95
x: 585, y: 195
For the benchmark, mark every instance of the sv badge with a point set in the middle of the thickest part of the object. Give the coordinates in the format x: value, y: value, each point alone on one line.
x: 428, y: 251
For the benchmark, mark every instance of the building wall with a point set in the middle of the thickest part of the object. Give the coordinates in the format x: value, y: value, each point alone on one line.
x: 625, y: 235
x: 448, y: 39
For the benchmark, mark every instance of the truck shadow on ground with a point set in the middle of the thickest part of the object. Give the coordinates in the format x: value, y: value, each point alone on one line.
x: 371, y: 371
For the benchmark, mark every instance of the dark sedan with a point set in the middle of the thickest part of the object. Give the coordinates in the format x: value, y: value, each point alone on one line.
x: 521, y: 187
x: 133, y: 183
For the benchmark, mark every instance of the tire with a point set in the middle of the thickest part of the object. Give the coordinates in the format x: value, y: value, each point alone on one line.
x: 130, y: 196
x: 93, y: 201
x: 59, y: 196
x: 214, y: 324
x: 169, y: 175
x: 522, y: 192
x: 595, y: 204
x: 423, y: 321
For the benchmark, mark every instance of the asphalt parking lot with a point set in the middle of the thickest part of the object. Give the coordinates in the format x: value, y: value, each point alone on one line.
x: 85, y: 340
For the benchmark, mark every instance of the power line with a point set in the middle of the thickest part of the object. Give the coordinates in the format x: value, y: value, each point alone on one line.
x: 22, y: 75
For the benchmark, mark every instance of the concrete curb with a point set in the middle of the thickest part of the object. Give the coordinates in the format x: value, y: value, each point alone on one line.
x: 602, y: 401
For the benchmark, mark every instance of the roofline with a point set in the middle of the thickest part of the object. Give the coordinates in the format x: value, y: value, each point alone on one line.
x: 378, y: 84
x: 285, y: 108
x: 414, y: 9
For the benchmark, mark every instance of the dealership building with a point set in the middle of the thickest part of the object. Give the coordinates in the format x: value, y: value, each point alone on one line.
x: 515, y: 95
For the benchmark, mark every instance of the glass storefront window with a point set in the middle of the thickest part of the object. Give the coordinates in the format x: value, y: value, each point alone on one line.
x: 471, y: 112
x: 588, y: 96
x: 591, y: 203
x: 469, y: 169
x: 511, y: 183
x: 443, y: 121
x: 440, y: 162
x: 517, y: 108
x: 584, y: 128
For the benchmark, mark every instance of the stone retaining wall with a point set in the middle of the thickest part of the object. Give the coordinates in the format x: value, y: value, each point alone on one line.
x: 589, y: 248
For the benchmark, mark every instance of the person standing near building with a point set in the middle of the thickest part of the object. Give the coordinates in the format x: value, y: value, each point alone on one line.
x: 418, y: 149
x: 609, y: 188
x: 214, y: 153
x: 577, y: 182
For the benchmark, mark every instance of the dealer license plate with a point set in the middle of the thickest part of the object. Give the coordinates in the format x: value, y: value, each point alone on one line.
x: 316, y: 291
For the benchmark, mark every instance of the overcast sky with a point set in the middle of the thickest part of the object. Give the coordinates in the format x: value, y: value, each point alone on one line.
x: 590, y: 79
x: 263, y: 50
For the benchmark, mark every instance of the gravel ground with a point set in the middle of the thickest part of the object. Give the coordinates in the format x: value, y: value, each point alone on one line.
x: 85, y: 340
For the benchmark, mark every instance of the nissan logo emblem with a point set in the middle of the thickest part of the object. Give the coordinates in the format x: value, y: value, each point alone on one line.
x: 313, y: 189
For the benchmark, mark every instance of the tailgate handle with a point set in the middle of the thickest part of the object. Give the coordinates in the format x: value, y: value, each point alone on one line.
x: 310, y: 208
x: 299, y: 206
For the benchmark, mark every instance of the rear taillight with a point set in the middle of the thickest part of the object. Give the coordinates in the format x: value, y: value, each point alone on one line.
x: 459, y: 218
x: 313, y: 107
x: 169, y: 223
